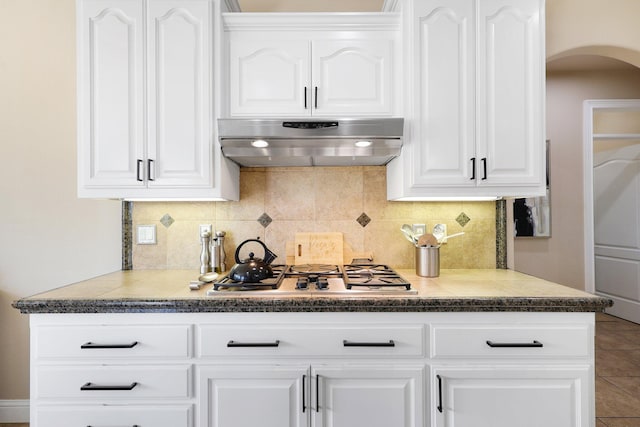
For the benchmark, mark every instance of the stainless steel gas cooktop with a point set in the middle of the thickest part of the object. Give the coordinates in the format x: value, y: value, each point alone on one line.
x: 321, y: 279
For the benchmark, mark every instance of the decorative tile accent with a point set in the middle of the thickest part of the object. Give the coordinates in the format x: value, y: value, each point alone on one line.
x: 265, y: 220
x: 501, y: 234
x: 363, y: 219
x: 166, y: 220
x: 127, y: 235
x: 463, y: 219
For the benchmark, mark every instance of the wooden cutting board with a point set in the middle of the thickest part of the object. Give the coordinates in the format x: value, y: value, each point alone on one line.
x: 319, y: 248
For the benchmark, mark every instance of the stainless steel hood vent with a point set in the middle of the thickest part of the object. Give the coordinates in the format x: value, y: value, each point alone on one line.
x: 303, y: 142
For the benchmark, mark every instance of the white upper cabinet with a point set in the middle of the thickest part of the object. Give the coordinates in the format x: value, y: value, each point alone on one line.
x: 268, y: 75
x: 300, y: 67
x: 474, y: 100
x: 179, y: 94
x: 110, y: 95
x: 146, y: 101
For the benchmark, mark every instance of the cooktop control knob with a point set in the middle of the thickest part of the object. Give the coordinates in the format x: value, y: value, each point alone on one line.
x: 322, y: 283
x: 302, y: 283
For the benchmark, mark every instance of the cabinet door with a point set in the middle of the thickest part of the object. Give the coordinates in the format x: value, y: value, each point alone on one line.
x: 367, y: 396
x: 249, y: 396
x: 110, y: 94
x: 179, y: 93
x: 511, y: 91
x: 551, y: 396
x: 352, y: 77
x: 269, y: 77
x: 444, y: 96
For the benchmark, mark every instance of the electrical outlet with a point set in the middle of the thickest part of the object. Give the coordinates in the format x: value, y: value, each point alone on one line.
x: 419, y: 229
x: 205, y: 228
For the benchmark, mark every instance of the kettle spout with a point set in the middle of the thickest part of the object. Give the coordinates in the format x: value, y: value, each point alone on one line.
x: 269, y: 256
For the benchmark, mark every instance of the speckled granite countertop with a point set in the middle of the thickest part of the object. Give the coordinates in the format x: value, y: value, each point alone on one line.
x: 168, y: 291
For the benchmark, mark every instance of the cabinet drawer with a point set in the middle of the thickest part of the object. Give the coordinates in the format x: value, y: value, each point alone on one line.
x: 499, y: 341
x: 107, y: 341
x: 115, y: 415
x: 311, y: 340
x: 122, y: 382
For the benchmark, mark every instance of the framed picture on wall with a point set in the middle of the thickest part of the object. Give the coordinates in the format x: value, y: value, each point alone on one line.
x: 532, y: 215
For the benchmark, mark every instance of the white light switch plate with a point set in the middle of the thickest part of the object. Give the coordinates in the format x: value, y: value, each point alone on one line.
x: 146, y: 235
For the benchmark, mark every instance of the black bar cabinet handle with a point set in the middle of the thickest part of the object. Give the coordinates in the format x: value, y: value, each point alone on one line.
x: 305, y: 97
x: 473, y: 168
x: 232, y: 343
x: 94, y: 345
x: 316, y: 97
x: 304, y: 394
x: 150, y: 165
x: 484, y: 168
x: 317, y: 393
x: 514, y: 344
x: 390, y: 343
x: 94, y: 387
x: 439, y: 393
x: 138, y: 170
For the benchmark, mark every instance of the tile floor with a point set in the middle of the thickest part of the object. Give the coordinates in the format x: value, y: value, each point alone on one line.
x: 617, y: 373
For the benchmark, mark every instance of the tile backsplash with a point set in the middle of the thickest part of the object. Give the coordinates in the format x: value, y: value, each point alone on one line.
x: 275, y: 203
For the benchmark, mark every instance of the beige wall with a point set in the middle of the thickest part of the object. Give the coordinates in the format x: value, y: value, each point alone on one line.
x: 577, y: 27
x: 608, y: 28
x: 561, y: 257
x: 48, y: 238
x: 316, y: 200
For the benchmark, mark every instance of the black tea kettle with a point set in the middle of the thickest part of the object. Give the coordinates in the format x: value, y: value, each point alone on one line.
x: 252, y: 269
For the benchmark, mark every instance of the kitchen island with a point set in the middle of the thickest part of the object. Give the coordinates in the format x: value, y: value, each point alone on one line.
x: 469, y: 348
x: 137, y: 291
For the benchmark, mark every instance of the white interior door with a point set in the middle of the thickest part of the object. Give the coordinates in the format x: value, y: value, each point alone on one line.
x: 616, y: 191
x: 616, y: 207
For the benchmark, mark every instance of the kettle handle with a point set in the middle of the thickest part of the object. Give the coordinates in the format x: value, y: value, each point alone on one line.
x: 268, y: 255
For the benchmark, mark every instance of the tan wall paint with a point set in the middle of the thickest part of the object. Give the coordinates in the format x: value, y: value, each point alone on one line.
x: 607, y: 28
x: 561, y: 257
x: 48, y: 238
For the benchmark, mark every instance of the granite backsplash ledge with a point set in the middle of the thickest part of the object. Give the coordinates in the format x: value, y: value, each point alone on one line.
x: 275, y: 203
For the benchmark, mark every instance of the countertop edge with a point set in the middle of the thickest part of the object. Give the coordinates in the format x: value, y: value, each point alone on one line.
x: 253, y: 305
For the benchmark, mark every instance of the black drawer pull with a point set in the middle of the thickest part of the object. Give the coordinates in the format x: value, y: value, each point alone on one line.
x: 439, y: 393
x: 514, y: 344
x: 390, y: 343
x: 138, y: 170
x: 304, y: 395
x: 95, y: 387
x: 232, y: 343
x: 94, y: 345
x: 473, y: 168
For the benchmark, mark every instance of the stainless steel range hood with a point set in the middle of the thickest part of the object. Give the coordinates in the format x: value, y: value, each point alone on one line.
x: 307, y: 142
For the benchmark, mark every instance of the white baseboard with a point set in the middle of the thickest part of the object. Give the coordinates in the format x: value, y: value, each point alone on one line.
x: 14, y: 411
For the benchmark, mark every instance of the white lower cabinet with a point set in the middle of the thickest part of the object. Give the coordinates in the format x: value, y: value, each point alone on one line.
x: 371, y: 396
x: 249, y: 396
x: 299, y: 396
x: 507, y: 396
x: 113, y: 415
x: 313, y: 370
